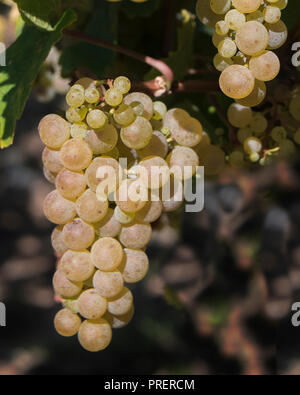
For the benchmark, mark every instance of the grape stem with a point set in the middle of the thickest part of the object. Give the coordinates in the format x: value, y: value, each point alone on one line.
x: 162, y: 67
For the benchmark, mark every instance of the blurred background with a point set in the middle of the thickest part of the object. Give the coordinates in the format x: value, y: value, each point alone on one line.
x: 217, y: 299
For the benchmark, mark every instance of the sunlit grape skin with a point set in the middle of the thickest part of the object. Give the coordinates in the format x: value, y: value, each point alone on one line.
x: 237, y: 82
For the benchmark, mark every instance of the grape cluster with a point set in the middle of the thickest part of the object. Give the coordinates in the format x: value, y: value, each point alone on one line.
x: 104, y: 210
x: 272, y: 132
x: 246, y: 34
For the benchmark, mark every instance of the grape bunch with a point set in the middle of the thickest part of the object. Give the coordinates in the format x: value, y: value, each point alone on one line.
x: 246, y: 34
x: 103, y: 209
x: 272, y: 132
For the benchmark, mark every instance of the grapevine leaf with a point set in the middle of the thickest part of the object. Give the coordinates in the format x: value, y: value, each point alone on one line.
x: 40, y: 13
x: 97, y: 60
x: 142, y: 10
x: 181, y: 59
x: 24, y: 58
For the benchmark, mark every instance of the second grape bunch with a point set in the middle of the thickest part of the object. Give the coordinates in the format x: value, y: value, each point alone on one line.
x: 103, y: 210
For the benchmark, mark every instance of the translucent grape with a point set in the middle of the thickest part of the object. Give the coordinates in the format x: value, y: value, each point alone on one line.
x: 78, y: 235
x: 150, y: 213
x: 235, y: 19
x: 236, y: 82
x: 158, y: 146
x: 96, y: 119
x: 246, y: 6
x: 136, y: 265
x: 106, y: 172
x: 89, y: 208
x: 145, y: 100
x: 124, y: 115
x: 238, y: 115
x: 221, y: 63
x: 122, y: 217
x: 265, y: 67
x: 172, y: 195
x: 107, y: 254
x: 92, y: 94
x: 91, y: 305
x: 57, y: 240
x: 78, y: 130
x: 256, y: 96
x: 138, y: 134
x: 75, y: 96
x: 77, y: 265
x: 183, y: 162
x: 252, y: 145
x: 103, y: 141
x: 70, y: 184
x: 54, y: 131
x: 108, y: 226
x: 205, y: 13
x: 76, y: 155
x: 159, y: 110
x: 135, y: 235
x: 58, y: 209
x: 74, y: 114
x: 123, y: 84
x: 95, y: 335
x: 153, y: 172
x: 119, y: 321
x: 66, y: 323
x: 113, y: 97
x: 64, y: 287
x: 227, y: 48
x: 131, y: 196
x: 272, y: 14
x: 252, y: 38
x: 122, y: 303
x: 51, y: 160
x: 220, y: 6
x: 108, y: 284
x: 277, y: 34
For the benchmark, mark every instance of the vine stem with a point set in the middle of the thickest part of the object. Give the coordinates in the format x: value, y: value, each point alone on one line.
x: 162, y: 67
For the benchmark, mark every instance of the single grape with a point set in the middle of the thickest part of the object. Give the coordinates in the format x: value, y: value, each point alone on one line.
x: 57, y: 240
x: 131, y: 196
x: 122, y: 303
x: 246, y: 6
x: 108, y: 226
x: 150, y: 213
x: 135, y: 235
x: 252, y: 145
x: 66, y: 323
x: 135, y: 266
x: 252, y: 38
x: 96, y: 119
x: 239, y: 116
x: 124, y: 115
x: 54, y: 131
x: 153, y: 172
x: 76, y: 155
x: 144, y: 100
x: 113, y: 97
x: 58, y: 209
x: 106, y: 172
x: 265, y: 67
x: 102, y: 141
x: 91, y: 305
x: 107, y: 254
x: 64, y: 287
x: 78, y: 235
x: 138, y: 134
x: 183, y: 162
x: 95, y: 335
x: 123, y: 84
x: 75, y: 96
x: 236, y: 82
x: 51, y: 160
x: 70, y: 184
x: 108, y: 284
x: 89, y: 208
x: 158, y: 146
x: 119, y: 321
x: 77, y: 265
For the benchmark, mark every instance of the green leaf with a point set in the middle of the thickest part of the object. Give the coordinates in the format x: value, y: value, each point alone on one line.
x: 43, y: 14
x: 142, y: 10
x: 24, y: 58
x: 181, y: 59
x: 90, y: 57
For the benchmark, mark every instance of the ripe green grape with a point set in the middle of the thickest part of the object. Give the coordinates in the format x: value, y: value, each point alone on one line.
x: 95, y: 335
x: 246, y: 6
x: 54, y: 131
x: 57, y: 240
x: 278, y: 34
x: 70, y: 184
x: 91, y: 305
x: 136, y: 265
x: 159, y: 110
x: 183, y: 162
x: 243, y: 134
x: 172, y: 195
x: 113, y: 97
x: 146, y: 102
x: 221, y: 63
x: 104, y: 172
x: 75, y: 96
x: 92, y: 94
x: 64, y: 287
x: 235, y: 19
x: 89, y: 208
x: 124, y: 115
x: 158, y: 146
x: 131, y: 196
x: 78, y: 130
x: 78, y: 235
x: 265, y: 67
x: 221, y: 28
x: 66, y: 323
x: 108, y: 226
x: 256, y: 97
x: 122, y: 217
x: 51, y: 160
x: 77, y: 265
x: 107, y: 254
x: 74, y: 114
x: 123, y: 84
x: 227, y: 48
x: 76, y: 155
x: 121, y: 304
x: 151, y: 212
x: 138, y: 134
x: 58, y: 209
x: 102, y: 141
x: 108, y: 284
x: 252, y: 38
x: 220, y: 6
x: 239, y: 116
x: 271, y: 14
x: 119, y: 321
x: 236, y: 81
x: 135, y: 235
x: 153, y: 172
x: 96, y: 119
